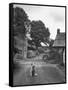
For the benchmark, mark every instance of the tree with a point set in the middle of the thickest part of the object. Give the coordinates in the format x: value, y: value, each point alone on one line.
x: 39, y: 33
x: 51, y: 43
x: 20, y: 17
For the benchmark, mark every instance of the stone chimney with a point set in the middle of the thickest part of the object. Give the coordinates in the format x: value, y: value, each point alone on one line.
x: 58, y: 31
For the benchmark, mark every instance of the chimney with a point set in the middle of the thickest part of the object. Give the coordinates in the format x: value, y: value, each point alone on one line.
x: 58, y: 31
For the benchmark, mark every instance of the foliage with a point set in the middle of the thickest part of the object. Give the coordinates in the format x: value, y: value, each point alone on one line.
x: 18, y: 28
x: 51, y: 43
x: 39, y: 33
x: 19, y: 18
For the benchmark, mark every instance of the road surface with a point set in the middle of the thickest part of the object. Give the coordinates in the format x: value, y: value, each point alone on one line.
x: 46, y: 73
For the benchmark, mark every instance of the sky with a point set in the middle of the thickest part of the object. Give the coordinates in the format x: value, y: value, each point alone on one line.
x: 52, y: 17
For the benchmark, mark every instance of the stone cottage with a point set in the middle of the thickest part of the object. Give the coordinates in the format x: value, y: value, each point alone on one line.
x: 59, y: 43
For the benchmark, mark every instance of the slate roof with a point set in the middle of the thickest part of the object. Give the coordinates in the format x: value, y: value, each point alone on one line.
x: 60, y: 40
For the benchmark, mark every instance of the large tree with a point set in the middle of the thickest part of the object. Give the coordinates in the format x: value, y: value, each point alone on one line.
x: 39, y: 33
x: 18, y: 20
x: 20, y: 17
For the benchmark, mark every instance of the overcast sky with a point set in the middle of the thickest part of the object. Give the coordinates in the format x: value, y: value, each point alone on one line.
x: 52, y: 17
